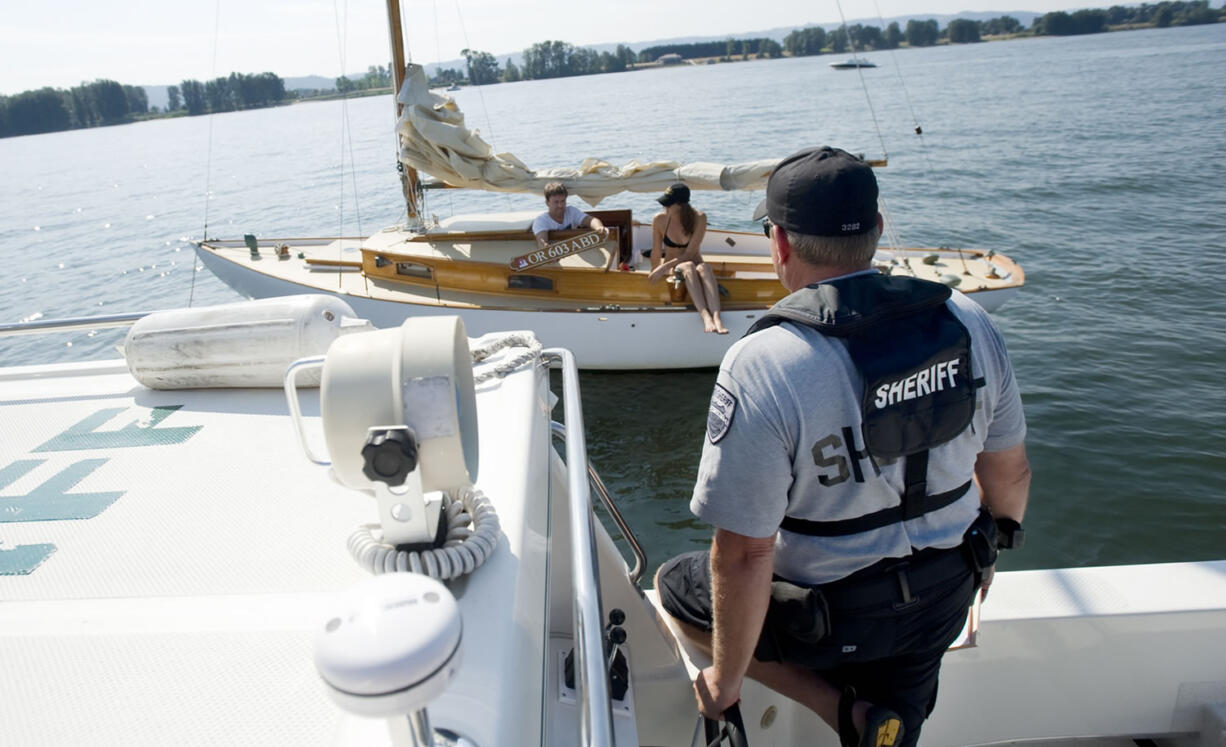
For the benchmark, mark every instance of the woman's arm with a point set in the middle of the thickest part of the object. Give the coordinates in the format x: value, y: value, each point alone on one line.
x: 691, y: 253
x: 657, y: 248
x: 693, y: 249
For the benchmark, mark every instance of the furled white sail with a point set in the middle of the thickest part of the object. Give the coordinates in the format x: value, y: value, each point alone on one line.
x: 434, y: 140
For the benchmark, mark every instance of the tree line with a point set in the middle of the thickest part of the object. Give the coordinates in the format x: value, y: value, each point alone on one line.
x: 103, y: 102
x: 726, y: 50
x: 555, y: 59
x: 232, y: 93
x: 559, y: 59
x: 1094, y: 21
x: 377, y: 76
x: 816, y: 40
x: 548, y: 59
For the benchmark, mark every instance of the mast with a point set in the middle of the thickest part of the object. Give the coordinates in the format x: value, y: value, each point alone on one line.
x: 409, y: 184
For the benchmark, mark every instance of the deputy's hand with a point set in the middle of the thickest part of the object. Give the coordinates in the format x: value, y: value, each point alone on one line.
x: 987, y: 581
x: 713, y: 696
x: 604, y: 232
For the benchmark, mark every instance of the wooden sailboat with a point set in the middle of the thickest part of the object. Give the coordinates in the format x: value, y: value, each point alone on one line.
x: 611, y: 318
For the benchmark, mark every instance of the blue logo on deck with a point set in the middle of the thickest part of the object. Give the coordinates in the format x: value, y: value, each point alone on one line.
x: 51, y: 499
x: 85, y: 434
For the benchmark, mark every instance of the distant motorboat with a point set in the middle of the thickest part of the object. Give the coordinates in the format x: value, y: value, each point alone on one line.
x: 852, y: 64
x: 454, y: 87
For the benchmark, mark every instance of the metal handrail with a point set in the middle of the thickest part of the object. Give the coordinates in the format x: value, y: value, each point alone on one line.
x: 640, y: 557
x: 69, y: 324
x: 596, y: 715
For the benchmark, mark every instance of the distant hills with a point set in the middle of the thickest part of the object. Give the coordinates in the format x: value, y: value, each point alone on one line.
x: 157, y: 94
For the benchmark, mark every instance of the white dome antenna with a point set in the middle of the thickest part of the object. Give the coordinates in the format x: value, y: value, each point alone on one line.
x: 390, y: 647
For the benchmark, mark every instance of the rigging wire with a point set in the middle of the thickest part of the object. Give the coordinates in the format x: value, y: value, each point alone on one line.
x: 489, y: 126
x: 208, y: 164
x: 919, y: 132
x: 863, y: 84
x: 923, y: 147
x: 341, y: 22
x: 902, y: 84
x: 342, y: 32
x: 438, y: 57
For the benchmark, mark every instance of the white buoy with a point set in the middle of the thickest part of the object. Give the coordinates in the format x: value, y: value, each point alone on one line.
x: 245, y: 344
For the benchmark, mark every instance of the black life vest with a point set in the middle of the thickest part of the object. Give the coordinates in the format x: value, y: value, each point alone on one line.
x: 914, y: 355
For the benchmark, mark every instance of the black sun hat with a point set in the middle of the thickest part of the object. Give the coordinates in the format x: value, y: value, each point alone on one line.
x: 674, y: 194
x: 821, y: 192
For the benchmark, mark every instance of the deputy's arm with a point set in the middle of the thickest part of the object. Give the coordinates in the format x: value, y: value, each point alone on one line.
x: 1004, y: 481
x: 1004, y: 487
x: 741, y: 569
x: 542, y: 239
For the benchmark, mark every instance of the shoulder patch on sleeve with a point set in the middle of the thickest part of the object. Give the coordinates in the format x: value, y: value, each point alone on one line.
x: 719, y: 417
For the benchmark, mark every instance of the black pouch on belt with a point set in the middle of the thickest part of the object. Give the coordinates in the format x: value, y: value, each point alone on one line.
x: 980, y: 542
x: 798, y: 615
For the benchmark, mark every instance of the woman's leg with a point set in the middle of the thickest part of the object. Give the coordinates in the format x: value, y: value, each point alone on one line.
x: 711, y: 289
x: 694, y: 285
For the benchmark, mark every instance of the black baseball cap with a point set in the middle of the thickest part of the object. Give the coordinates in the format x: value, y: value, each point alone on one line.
x: 821, y: 192
x: 674, y: 194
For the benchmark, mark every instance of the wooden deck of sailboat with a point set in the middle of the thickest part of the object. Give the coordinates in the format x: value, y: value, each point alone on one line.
x: 472, y: 269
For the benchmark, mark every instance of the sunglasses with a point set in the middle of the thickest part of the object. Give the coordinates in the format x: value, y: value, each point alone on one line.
x: 766, y: 227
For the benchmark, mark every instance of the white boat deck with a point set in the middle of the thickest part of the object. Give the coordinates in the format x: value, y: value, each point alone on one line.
x: 166, y: 558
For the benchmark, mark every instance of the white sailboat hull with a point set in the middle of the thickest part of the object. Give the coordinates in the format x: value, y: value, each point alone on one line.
x: 601, y: 335
x: 601, y: 339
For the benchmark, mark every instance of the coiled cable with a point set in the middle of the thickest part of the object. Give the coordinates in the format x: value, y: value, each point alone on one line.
x: 472, y: 536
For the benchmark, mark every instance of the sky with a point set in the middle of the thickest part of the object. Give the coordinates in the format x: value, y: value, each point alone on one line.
x: 61, y: 43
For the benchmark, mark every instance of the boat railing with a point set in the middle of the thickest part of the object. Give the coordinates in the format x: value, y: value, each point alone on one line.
x: 606, y: 499
x: 71, y: 324
x: 596, y: 714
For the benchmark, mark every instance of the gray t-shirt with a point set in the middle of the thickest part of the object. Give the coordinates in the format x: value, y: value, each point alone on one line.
x: 784, y: 439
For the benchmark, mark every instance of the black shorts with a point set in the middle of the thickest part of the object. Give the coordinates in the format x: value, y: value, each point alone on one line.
x: 890, y: 653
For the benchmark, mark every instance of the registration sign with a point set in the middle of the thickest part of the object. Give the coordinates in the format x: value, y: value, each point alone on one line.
x: 557, y: 250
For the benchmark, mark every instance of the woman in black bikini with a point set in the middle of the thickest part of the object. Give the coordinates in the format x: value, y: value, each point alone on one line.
x: 676, y: 236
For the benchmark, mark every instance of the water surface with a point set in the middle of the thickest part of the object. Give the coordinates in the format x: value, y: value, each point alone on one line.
x: 1093, y: 161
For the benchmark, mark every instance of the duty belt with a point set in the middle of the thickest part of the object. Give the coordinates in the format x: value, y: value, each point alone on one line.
x: 895, y: 581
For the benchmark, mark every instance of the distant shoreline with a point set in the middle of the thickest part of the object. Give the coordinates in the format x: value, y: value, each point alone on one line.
x: 56, y: 110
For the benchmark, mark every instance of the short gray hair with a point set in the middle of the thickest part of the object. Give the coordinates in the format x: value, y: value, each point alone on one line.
x: 835, y: 251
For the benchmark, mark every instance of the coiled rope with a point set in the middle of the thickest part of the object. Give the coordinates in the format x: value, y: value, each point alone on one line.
x: 472, y: 536
x: 526, y: 340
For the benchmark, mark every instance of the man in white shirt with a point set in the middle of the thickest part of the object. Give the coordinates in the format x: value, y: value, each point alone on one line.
x: 561, y: 216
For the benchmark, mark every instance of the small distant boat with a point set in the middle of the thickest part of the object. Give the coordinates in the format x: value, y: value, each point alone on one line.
x: 454, y: 87
x: 852, y: 64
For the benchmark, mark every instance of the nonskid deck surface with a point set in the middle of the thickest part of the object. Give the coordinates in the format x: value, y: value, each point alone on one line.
x: 167, y: 557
